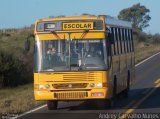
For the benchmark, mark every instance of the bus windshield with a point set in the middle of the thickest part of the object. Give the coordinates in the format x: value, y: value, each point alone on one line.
x: 70, y: 55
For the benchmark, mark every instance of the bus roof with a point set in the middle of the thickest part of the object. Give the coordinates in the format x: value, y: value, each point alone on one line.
x: 111, y: 21
x: 70, y: 18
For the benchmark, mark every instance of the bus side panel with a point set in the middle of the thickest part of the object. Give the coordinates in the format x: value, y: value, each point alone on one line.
x: 132, y: 67
x: 110, y: 79
x: 35, y: 83
x: 123, y: 70
x: 116, y: 72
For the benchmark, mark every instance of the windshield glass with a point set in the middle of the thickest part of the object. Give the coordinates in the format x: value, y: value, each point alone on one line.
x: 70, y: 55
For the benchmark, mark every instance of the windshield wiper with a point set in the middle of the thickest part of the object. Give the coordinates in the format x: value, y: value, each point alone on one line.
x: 84, y: 33
x: 54, y: 33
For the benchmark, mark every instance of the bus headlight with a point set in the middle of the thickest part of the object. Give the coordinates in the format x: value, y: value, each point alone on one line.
x: 47, y: 86
x: 92, y: 85
x: 41, y: 87
x: 99, y: 85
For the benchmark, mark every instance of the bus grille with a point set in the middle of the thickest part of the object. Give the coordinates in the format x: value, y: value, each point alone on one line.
x: 70, y: 85
x: 79, y: 76
x: 71, y: 95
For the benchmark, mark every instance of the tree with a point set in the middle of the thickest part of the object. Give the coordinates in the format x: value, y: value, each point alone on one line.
x: 137, y: 14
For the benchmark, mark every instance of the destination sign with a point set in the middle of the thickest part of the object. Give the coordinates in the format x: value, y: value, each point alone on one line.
x: 78, y: 26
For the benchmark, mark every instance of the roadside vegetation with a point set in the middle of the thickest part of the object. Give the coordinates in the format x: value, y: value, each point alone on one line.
x: 17, y: 100
x: 16, y: 65
x: 145, y: 45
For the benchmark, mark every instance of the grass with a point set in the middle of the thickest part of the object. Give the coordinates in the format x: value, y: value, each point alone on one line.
x: 18, y: 100
x: 142, y: 51
x: 14, y: 42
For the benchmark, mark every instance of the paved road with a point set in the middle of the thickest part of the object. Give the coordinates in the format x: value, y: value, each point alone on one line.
x: 144, y: 97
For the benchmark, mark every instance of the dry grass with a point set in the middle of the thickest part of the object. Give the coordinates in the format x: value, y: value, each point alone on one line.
x: 18, y: 100
x: 21, y: 99
x: 142, y: 51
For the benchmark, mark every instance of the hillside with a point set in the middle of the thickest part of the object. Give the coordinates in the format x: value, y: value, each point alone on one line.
x: 15, y: 64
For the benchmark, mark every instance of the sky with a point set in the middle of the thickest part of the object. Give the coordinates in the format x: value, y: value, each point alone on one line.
x: 20, y: 13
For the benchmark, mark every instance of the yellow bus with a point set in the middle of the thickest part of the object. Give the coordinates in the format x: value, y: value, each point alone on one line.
x: 82, y: 58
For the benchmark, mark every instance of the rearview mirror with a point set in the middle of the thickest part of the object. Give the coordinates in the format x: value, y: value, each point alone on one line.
x: 27, y: 42
x: 27, y: 45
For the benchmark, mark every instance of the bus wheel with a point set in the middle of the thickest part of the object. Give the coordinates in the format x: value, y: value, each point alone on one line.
x: 125, y: 93
x: 115, y: 87
x: 52, y: 105
x: 105, y: 104
x: 110, y: 103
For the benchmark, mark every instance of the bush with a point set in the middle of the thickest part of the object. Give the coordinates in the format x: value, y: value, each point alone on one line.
x: 12, y: 70
x: 156, y: 39
x: 140, y: 36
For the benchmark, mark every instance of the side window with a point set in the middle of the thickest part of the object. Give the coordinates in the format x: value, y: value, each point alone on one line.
x: 120, y: 40
x: 132, y: 41
x: 116, y: 41
x: 114, y: 44
x: 130, y: 45
x: 124, y: 39
x: 108, y: 41
x: 127, y: 40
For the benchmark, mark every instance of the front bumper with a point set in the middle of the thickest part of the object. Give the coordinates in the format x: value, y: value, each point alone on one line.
x: 71, y: 94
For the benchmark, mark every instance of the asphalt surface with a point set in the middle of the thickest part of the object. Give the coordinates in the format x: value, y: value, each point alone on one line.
x: 143, y: 100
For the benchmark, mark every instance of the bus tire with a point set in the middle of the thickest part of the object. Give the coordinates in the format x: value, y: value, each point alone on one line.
x: 52, y: 105
x: 104, y: 104
x: 110, y: 103
x: 115, y: 87
x: 126, y: 91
